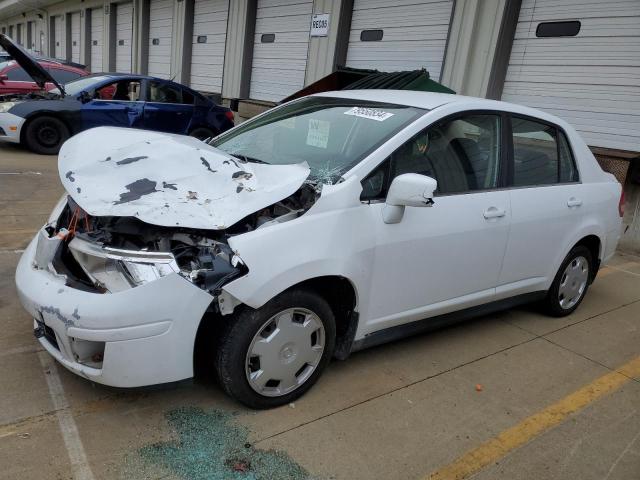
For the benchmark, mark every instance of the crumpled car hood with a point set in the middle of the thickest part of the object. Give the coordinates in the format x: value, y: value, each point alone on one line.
x: 169, y: 180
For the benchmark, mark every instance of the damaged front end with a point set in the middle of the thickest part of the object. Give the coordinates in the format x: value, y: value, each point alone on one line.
x: 111, y: 254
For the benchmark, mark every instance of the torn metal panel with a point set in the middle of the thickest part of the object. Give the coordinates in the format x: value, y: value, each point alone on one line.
x: 169, y: 180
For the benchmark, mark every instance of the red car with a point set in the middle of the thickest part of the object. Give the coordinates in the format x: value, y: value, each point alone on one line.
x: 13, y: 79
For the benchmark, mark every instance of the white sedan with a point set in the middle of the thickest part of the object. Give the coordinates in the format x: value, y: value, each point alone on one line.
x: 326, y: 225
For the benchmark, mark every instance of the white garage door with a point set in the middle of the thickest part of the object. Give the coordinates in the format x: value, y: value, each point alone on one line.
x: 60, y: 35
x: 393, y: 35
x: 75, y: 37
x: 124, y: 36
x: 280, y: 48
x: 160, y: 33
x: 97, y: 28
x: 592, y: 79
x: 209, y: 34
x: 40, y: 37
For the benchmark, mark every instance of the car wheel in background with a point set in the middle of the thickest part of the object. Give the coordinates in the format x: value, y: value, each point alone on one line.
x: 202, y: 133
x: 571, y: 283
x: 45, y: 135
x: 270, y: 356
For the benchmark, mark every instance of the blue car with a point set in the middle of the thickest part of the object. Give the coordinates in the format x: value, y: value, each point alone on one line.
x: 43, y: 121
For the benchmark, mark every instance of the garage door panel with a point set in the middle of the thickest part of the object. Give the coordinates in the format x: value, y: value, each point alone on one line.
x: 402, y: 16
x: 60, y: 37
x: 412, y: 39
x: 559, y: 77
x: 201, y: 56
x: 124, y: 40
x: 421, y: 6
x: 416, y: 34
x: 75, y: 37
x: 211, y: 27
x: 97, y: 26
x: 279, y: 67
x: 271, y: 89
x: 297, y: 23
x: 205, y: 71
x: 207, y: 59
x: 160, y: 38
x: 592, y: 80
x: 610, y: 108
x: 270, y: 66
x: 281, y: 11
x: 592, y: 27
x: 553, y: 10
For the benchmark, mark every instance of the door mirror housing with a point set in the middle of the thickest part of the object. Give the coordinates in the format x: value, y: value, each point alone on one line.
x: 408, y: 190
x: 3, y: 78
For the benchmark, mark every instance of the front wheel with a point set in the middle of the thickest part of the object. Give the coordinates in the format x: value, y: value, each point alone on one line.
x: 45, y: 135
x: 571, y: 283
x: 270, y: 356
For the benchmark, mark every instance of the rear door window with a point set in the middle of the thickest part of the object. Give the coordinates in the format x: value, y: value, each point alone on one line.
x: 541, y: 154
x: 164, y: 93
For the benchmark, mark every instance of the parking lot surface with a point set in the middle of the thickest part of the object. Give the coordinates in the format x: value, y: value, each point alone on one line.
x: 515, y: 395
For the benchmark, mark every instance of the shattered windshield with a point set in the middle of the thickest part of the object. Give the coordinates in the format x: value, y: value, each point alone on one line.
x: 330, y: 134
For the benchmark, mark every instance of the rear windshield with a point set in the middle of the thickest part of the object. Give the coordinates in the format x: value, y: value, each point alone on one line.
x: 330, y: 134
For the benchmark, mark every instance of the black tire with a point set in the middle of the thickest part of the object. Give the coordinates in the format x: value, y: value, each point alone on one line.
x: 238, y: 334
x: 202, y: 133
x: 45, y: 135
x: 551, y: 303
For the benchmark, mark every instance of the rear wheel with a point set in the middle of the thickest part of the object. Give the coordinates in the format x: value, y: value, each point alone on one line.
x: 202, y: 133
x: 270, y: 356
x: 571, y: 283
x: 45, y: 135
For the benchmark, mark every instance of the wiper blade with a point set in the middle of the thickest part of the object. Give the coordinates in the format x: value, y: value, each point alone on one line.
x: 246, y: 159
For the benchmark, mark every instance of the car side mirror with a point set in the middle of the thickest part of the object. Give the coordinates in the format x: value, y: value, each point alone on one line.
x: 85, y: 97
x: 3, y: 78
x: 408, y: 190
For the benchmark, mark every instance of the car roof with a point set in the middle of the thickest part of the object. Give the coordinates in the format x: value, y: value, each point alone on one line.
x: 432, y: 100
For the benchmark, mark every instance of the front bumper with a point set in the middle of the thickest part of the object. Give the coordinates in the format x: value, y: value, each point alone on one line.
x: 10, y: 127
x: 141, y: 336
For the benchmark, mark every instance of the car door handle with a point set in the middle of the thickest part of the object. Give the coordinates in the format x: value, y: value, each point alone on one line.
x: 574, y: 202
x: 494, y: 212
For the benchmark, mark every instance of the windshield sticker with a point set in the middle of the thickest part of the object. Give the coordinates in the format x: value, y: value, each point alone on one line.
x: 370, y: 113
x: 318, y: 134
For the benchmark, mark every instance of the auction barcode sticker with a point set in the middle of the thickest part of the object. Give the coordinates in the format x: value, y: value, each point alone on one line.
x: 370, y: 113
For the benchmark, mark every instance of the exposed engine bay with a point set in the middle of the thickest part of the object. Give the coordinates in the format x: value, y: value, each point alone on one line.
x: 109, y: 254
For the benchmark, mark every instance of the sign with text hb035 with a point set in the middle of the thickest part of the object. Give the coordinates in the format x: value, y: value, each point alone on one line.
x: 320, y: 25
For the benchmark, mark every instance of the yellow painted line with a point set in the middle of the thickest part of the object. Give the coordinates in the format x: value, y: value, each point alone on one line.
x: 498, y: 447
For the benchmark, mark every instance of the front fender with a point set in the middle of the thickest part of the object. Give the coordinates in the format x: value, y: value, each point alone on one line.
x: 328, y: 240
